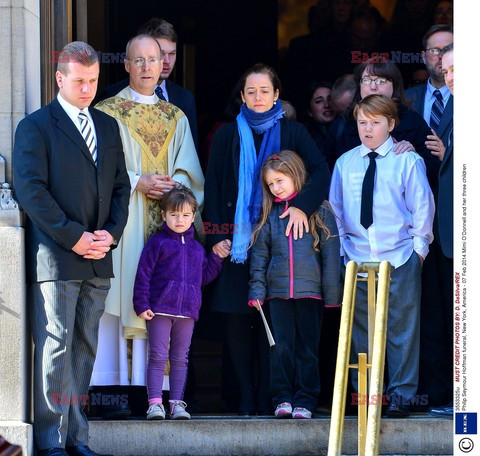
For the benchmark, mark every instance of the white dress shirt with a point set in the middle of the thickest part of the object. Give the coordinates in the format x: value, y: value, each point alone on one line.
x: 403, y: 206
x: 73, y: 112
x: 430, y: 99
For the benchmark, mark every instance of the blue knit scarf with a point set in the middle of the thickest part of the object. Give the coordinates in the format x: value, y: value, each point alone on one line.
x: 249, y: 200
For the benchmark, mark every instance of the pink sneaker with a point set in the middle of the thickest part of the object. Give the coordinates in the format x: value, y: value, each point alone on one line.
x: 301, y: 413
x: 283, y: 410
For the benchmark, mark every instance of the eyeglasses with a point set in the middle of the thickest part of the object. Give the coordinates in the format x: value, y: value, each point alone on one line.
x: 377, y: 82
x: 140, y: 61
x: 433, y: 51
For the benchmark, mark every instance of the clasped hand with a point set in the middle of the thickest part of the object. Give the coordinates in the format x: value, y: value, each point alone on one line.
x: 93, y: 246
x: 155, y: 185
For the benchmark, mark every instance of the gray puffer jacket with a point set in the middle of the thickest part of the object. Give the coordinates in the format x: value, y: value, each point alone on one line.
x: 281, y: 267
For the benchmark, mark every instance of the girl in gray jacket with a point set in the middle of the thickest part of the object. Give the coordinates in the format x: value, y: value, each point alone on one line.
x: 298, y: 276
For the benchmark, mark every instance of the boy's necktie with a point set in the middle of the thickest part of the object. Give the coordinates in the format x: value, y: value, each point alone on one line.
x: 366, y: 214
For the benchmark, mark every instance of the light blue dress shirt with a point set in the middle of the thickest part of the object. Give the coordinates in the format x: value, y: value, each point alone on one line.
x: 403, y: 206
x: 430, y: 99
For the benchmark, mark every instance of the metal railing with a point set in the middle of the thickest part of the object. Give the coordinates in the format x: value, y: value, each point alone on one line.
x: 371, y: 365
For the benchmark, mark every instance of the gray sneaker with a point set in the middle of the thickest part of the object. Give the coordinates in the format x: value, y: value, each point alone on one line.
x: 156, y: 412
x: 177, y: 410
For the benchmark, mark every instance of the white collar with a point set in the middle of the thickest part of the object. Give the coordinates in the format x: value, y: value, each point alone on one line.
x: 382, y: 150
x: 72, y: 111
x: 145, y: 99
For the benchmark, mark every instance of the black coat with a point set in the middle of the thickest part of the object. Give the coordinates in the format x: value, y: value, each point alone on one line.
x: 64, y: 194
x: 443, y: 228
x: 229, y: 292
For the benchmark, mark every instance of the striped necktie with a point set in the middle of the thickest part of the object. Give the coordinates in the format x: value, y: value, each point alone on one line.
x: 437, y: 111
x: 159, y: 93
x: 87, y: 133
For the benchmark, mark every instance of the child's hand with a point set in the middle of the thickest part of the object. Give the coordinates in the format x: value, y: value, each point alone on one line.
x: 222, y: 248
x: 255, y: 303
x: 147, y: 315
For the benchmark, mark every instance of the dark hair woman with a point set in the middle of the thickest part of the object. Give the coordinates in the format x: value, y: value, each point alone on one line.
x: 233, y: 199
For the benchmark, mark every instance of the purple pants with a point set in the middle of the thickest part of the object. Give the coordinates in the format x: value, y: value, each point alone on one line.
x: 162, y: 330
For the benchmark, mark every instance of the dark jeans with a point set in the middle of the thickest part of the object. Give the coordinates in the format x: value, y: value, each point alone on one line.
x: 294, y: 374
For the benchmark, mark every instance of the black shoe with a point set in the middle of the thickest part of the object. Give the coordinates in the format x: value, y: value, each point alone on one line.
x: 441, y: 411
x: 397, y: 411
x: 52, y: 452
x: 82, y: 450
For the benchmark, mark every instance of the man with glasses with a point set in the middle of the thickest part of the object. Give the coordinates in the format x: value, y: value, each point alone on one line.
x: 160, y: 154
x: 166, y: 37
x: 434, y: 101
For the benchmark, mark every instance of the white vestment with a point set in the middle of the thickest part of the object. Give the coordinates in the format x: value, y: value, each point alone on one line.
x: 183, y: 166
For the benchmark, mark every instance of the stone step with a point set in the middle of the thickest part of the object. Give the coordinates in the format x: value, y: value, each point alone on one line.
x: 264, y: 436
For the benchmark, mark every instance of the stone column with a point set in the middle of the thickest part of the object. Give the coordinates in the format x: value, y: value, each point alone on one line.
x: 20, y: 94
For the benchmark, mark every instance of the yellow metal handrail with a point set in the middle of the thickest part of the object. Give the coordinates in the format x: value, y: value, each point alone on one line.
x: 368, y: 422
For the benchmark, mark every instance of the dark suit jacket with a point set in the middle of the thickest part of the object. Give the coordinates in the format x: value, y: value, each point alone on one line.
x: 180, y: 97
x: 417, y: 96
x: 444, y: 215
x: 444, y: 199
x: 64, y: 194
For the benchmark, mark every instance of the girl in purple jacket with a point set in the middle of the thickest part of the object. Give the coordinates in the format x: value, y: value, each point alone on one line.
x: 173, y: 268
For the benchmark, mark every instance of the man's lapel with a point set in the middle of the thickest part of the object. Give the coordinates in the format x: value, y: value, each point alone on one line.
x: 65, y: 124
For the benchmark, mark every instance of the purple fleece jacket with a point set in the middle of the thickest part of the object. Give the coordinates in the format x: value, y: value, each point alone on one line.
x: 172, y: 270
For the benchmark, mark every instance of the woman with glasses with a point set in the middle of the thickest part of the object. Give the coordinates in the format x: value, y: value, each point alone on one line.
x: 382, y: 77
x: 233, y: 198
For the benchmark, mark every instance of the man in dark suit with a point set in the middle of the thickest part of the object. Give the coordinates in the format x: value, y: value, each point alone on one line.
x: 436, y: 356
x: 169, y: 91
x: 71, y: 180
x: 423, y: 96
x: 438, y: 334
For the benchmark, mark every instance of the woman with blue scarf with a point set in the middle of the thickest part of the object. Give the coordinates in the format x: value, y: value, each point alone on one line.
x: 233, y: 198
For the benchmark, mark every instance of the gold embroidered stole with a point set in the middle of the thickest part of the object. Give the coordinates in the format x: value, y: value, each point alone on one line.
x: 153, y: 127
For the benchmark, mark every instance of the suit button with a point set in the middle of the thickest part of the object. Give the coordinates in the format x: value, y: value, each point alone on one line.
x: 101, y: 199
x: 229, y: 204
